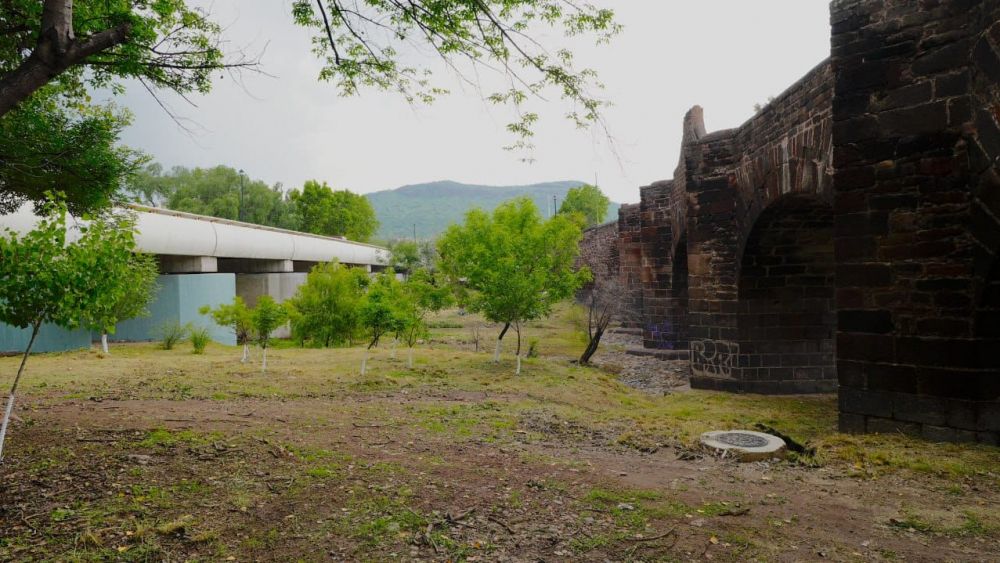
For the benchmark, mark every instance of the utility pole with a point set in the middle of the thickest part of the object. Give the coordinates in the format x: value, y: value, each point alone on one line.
x: 414, y: 232
x: 555, y: 207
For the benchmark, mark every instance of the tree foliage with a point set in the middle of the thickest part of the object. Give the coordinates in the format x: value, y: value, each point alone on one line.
x: 325, y: 310
x: 136, y: 277
x: 421, y: 295
x: 266, y: 317
x: 237, y: 316
x: 513, y: 265
x: 94, y: 44
x: 380, y: 311
x: 587, y: 201
x: 48, y: 145
x: 47, y: 277
x: 324, y: 211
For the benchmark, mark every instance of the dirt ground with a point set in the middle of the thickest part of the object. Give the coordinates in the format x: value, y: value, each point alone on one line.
x: 155, y: 455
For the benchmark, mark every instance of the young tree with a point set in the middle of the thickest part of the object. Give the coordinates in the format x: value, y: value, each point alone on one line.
x: 136, y: 277
x: 513, y: 266
x: 588, y: 201
x: 236, y: 316
x: 380, y: 312
x: 267, y: 316
x: 604, y: 304
x: 325, y: 308
x: 421, y: 295
x: 46, y: 279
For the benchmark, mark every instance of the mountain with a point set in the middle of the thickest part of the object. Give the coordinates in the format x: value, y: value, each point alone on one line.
x: 435, y: 205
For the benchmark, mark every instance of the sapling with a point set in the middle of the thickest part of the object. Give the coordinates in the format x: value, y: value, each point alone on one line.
x: 45, y: 279
x: 236, y: 316
x: 267, y: 316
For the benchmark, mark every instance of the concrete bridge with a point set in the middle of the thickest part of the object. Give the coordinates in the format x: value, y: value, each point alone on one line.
x: 845, y: 238
x: 205, y: 261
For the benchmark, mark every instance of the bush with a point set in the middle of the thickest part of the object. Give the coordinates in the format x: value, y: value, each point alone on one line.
x: 171, y: 333
x: 533, y: 348
x: 199, y: 339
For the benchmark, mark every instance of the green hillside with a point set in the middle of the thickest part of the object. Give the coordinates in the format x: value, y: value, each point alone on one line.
x: 435, y: 205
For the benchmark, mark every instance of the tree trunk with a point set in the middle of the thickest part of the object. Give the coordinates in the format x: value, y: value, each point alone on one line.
x: 364, y: 364
x: 517, y: 327
x: 409, y: 360
x: 394, y: 342
x: 591, y: 346
x: 13, y: 388
x: 104, y: 344
x: 56, y: 50
x: 246, y: 353
x: 263, y: 362
x: 518, y: 372
x: 496, y: 353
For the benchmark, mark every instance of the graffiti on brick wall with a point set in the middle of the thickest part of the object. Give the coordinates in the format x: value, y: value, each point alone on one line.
x: 714, y: 358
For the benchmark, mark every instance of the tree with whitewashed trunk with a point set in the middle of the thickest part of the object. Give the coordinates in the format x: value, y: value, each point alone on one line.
x: 236, y: 316
x: 512, y: 266
x: 421, y: 295
x: 47, y: 278
x: 136, y: 277
x: 266, y: 317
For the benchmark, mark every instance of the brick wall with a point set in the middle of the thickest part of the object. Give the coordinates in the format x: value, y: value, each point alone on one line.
x: 630, y: 262
x: 915, y: 144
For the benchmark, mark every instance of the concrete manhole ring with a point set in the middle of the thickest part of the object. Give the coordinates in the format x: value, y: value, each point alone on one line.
x: 745, y: 445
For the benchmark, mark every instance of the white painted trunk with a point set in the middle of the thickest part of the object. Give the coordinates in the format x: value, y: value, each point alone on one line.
x: 263, y: 361
x: 246, y: 353
x: 518, y: 372
x: 496, y: 353
x: 6, y: 420
x: 394, y: 341
x: 409, y: 359
x: 364, y: 364
x: 104, y: 343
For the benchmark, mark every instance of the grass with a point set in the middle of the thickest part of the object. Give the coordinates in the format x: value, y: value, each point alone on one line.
x: 359, y: 488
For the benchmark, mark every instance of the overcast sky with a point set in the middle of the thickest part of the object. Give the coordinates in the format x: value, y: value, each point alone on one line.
x: 725, y: 55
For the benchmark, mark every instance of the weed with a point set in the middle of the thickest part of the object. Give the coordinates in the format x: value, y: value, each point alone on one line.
x: 171, y: 333
x: 200, y: 337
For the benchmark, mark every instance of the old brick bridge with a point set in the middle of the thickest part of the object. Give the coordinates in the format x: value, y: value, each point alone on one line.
x: 846, y: 237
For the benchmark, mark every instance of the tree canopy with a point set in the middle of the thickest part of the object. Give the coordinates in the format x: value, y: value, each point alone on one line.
x: 324, y: 311
x: 589, y: 202
x: 324, y: 211
x: 514, y: 265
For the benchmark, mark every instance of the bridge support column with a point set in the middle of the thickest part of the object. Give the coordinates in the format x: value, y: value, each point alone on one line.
x: 188, y: 264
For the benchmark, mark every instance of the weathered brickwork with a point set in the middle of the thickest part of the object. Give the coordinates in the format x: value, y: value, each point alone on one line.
x: 847, y: 237
x: 916, y: 143
x: 599, y: 251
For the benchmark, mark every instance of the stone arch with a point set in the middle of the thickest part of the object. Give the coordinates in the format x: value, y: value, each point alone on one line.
x: 786, y: 321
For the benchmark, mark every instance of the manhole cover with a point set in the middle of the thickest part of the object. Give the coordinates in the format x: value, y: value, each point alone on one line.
x: 742, y: 440
x: 746, y: 445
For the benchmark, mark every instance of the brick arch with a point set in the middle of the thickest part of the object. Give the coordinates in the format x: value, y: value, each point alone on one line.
x: 785, y: 319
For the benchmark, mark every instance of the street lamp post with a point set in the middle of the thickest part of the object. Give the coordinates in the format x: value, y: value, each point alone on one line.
x: 240, y: 212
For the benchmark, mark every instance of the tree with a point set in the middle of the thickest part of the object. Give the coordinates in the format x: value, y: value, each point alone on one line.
x: 604, y: 304
x: 514, y: 266
x: 44, y: 278
x: 267, y: 316
x: 324, y: 310
x: 162, y: 44
x: 167, y: 44
x: 380, y: 309
x: 404, y: 256
x: 47, y: 144
x: 323, y: 211
x: 220, y: 191
x: 589, y: 201
x: 136, y: 277
x: 236, y: 316
x: 421, y: 294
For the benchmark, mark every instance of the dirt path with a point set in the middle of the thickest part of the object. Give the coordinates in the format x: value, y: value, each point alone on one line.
x: 332, y: 479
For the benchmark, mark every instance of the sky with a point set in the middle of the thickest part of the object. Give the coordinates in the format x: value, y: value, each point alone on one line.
x: 286, y: 126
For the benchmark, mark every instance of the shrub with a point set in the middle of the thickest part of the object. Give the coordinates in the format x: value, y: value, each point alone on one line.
x: 199, y: 339
x: 533, y: 348
x: 171, y: 333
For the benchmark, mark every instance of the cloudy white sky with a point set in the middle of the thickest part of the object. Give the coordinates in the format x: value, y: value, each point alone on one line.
x: 725, y: 55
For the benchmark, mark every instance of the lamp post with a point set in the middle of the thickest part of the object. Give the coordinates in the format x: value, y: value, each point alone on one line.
x: 240, y: 212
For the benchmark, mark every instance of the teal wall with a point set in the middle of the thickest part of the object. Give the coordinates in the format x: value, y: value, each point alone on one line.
x: 50, y: 339
x: 179, y: 298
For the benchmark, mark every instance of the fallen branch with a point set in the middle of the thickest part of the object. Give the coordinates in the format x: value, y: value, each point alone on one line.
x: 501, y: 524
x: 654, y: 538
x: 789, y: 441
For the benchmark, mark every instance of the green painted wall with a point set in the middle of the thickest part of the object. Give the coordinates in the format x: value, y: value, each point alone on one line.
x: 51, y: 338
x: 179, y: 298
